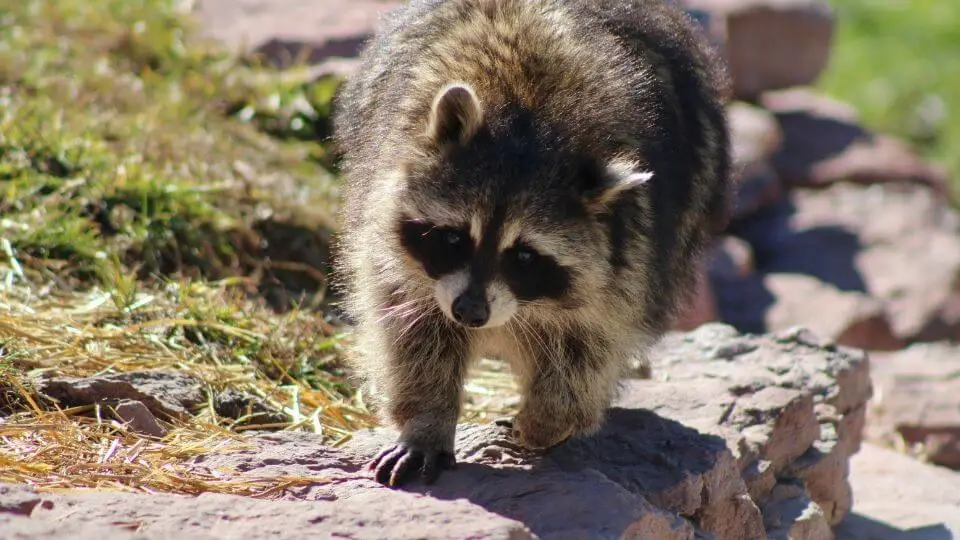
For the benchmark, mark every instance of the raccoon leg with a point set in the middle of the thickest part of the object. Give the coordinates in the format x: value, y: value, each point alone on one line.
x: 424, y: 378
x: 566, y: 392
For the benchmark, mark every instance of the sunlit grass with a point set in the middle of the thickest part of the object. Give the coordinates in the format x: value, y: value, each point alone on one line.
x: 896, y: 61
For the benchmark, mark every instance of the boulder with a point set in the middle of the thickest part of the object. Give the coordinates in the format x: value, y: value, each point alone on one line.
x: 881, y: 262
x: 139, y: 418
x: 794, y: 405
x: 701, y: 306
x: 823, y: 143
x: 773, y: 302
x: 732, y: 258
x: 769, y: 45
x: 790, y: 514
x: 917, y: 403
x: 853, y: 319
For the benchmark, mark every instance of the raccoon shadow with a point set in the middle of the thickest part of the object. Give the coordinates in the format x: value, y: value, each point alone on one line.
x: 589, y: 484
x: 827, y: 253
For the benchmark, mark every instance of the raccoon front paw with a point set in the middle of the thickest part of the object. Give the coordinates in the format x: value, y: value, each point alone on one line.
x: 394, y: 464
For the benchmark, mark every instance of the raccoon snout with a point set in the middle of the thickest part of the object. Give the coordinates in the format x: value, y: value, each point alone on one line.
x: 469, y: 310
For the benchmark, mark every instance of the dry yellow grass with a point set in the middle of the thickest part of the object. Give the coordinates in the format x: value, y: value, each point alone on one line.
x: 85, y: 334
x: 53, y: 450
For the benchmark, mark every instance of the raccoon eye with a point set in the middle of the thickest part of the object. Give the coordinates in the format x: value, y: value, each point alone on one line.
x: 524, y: 256
x: 453, y: 238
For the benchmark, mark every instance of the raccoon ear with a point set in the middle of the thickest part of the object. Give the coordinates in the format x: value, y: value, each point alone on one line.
x: 456, y: 115
x: 617, y: 177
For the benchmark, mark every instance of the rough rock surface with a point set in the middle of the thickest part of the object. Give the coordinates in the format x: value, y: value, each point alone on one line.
x: 900, y: 498
x: 165, y: 393
x: 917, y: 401
x: 873, y: 267
x: 823, y: 143
x: 769, y: 45
x: 371, y: 513
x: 794, y: 407
x: 139, y: 418
x: 739, y: 437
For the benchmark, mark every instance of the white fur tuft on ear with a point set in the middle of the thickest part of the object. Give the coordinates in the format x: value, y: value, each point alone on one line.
x: 456, y: 115
x: 621, y: 175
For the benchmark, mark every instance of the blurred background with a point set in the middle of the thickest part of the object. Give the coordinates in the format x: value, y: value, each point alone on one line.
x: 892, y: 61
x: 168, y: 197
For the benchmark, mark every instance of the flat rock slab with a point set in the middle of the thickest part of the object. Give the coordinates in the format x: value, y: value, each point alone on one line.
x: 738, y: 437
x: 493, y: 475
x: 374, y: 513
x: 166, y: 394
x: 900, y: 498
x: 918, y: 402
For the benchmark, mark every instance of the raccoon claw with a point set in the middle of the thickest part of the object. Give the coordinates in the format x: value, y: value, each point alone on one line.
x: 504, y: 421
x: 394, y: 464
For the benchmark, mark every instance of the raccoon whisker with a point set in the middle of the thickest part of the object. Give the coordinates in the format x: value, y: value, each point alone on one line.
x: 429, y: 311
x: 402, y: 310
x: 536, y: 336
x: 410, y: 325
x: 530, y: 333
x: 404, y: 304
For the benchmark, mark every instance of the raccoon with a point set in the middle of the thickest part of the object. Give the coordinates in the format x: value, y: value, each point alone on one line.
x: 532, y: 180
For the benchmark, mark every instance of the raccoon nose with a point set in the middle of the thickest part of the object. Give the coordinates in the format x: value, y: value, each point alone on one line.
x: 470, y: 310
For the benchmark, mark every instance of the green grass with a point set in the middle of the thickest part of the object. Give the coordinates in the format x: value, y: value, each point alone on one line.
x: 120, y: 139
x: 165, y: 204
x: 897, y: 62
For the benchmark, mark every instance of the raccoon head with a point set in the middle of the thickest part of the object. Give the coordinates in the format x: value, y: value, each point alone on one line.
x: 501, y: 217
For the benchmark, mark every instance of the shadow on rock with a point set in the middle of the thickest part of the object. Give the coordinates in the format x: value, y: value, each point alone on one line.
x: 858, y: 527
x: 825, y: 252
x: 743, y: 301
x: 803, y: 272
x: 282, y: 54
x: 641, y: 470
